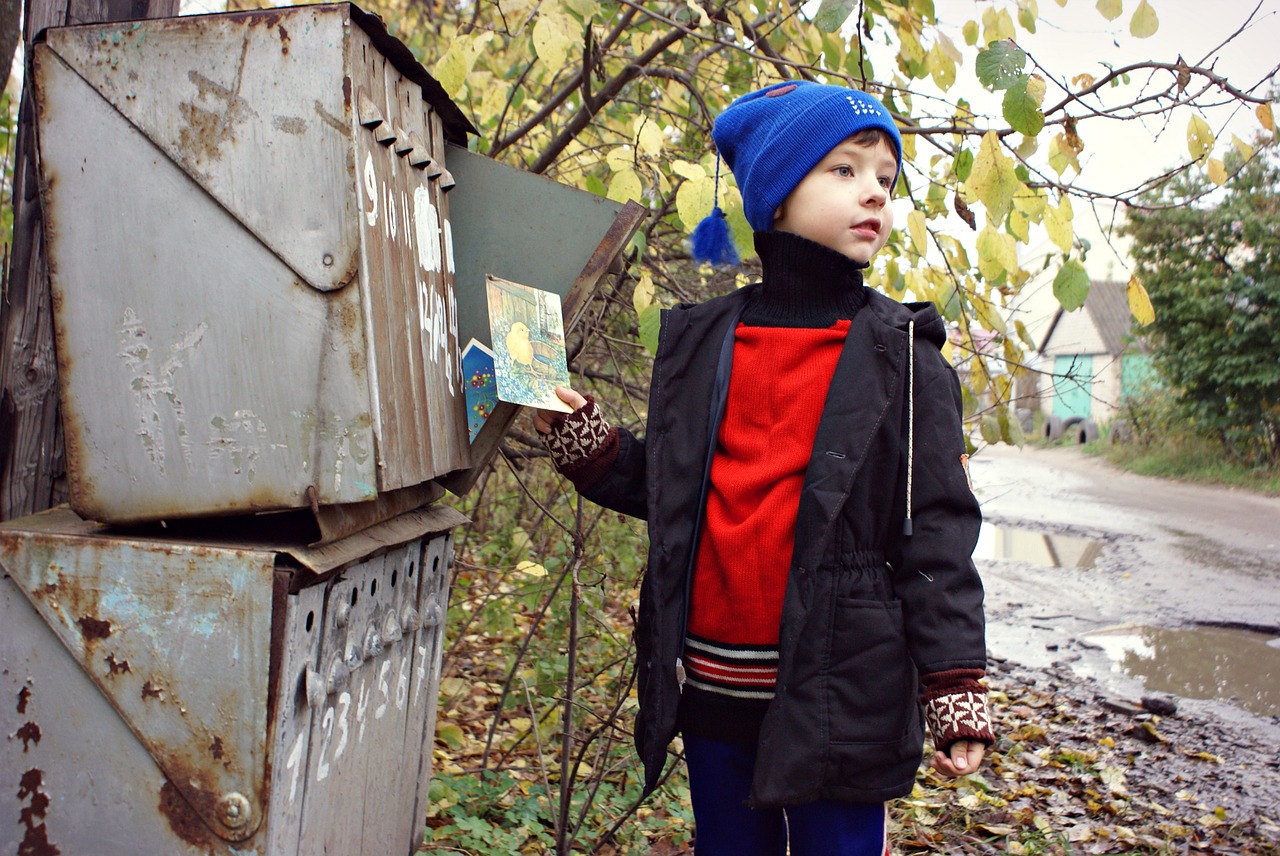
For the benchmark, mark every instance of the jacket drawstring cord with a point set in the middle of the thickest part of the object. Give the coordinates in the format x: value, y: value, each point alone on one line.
x: 911, y: 420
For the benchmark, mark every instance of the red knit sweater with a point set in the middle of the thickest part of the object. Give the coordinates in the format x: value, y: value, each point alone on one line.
x: 766, y: 437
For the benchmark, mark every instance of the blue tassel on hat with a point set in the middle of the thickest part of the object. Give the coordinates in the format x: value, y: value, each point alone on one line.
x: 711, y: 242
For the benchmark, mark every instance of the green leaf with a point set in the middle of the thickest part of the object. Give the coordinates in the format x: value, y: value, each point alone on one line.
x: 990, y: 426
x: 1000, y: 65
x: 451, y: 735
x: 970, y: 31
x: 1071, y: 285
x: 1013, y: 432
x: 964, y: 164
x: 650, y: 322
x: 833, y: 13
x: 1144, y: 23
x: 1021, y: 109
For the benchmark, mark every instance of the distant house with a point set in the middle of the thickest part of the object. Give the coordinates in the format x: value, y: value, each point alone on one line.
x: 1090, y: 359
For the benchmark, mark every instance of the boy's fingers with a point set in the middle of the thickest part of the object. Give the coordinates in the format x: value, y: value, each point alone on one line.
x: 570, y: 397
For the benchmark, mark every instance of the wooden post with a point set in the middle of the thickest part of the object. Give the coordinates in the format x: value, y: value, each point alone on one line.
x: 32, y: 468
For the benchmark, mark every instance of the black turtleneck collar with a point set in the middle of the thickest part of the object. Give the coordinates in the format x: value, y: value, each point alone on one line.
x: 805, y: 284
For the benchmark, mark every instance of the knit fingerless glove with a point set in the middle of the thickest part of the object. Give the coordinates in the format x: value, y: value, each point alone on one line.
x: 955, y: 707
x: 583, y: 445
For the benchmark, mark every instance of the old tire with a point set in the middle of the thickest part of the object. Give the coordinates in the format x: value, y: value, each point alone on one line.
x: 1086, y: 431
x: 1052, y: 428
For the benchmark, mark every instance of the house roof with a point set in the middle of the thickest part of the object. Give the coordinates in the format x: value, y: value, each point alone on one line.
x: 1108, y: 308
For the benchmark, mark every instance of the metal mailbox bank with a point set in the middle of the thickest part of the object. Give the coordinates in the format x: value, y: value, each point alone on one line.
x: 251, y: 262
x: 178, y: 696
x: 231, y: 642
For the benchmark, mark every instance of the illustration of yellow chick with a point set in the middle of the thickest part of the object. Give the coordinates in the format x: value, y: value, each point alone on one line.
x: 518, y: 344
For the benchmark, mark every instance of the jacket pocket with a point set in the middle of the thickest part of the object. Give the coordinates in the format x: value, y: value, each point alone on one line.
x: 871, y: 681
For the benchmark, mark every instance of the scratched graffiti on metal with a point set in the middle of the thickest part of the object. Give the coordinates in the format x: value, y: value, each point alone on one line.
x: 152, y: 385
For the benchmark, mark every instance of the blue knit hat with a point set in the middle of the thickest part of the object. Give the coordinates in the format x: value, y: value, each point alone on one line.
x: 772, y: 137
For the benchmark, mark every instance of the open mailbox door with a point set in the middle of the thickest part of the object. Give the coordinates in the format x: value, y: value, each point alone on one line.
x: 526, y: 228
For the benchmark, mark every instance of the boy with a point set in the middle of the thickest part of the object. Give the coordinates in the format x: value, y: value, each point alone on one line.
x: 809, y: 585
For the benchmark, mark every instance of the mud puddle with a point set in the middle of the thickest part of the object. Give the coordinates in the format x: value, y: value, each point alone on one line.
x: 1045, y: 549
x: 1241, y: 667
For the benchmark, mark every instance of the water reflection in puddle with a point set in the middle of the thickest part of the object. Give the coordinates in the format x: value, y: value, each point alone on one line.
x: 1037, y: 548
x: 1205, y: 663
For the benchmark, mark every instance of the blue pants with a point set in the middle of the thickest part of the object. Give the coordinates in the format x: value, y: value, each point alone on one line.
x: 719, y: 784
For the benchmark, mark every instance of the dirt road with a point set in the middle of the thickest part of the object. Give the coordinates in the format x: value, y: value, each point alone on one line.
x: 1166, y: 587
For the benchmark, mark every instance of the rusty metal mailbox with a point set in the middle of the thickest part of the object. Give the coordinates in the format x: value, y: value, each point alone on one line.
x: 250, y: 256
x: 199, y: 695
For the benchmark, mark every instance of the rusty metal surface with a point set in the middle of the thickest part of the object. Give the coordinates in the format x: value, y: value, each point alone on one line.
x: 319, y: 560
x: 177, y: 637
x: 73, y: 779
x: 339, y: 521
x: 354, y: 678
x: 406, y: 263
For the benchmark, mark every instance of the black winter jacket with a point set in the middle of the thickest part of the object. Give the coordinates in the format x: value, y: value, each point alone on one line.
x: 866, y: 608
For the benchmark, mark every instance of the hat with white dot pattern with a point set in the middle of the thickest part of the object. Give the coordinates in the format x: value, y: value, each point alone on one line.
x: 772, y: 137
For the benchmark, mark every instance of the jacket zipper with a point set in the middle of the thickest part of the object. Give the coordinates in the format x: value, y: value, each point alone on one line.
x: 719, y: 398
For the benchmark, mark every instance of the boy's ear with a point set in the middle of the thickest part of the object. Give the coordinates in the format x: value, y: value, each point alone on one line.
x: 777, y: 215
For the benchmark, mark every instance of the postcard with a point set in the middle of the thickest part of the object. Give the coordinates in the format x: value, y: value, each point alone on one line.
x: 527, y: 329
x: 479, y: 384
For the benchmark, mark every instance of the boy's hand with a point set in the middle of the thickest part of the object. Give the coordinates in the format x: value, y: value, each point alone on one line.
x: 542, y: 419
x: 964, y: 758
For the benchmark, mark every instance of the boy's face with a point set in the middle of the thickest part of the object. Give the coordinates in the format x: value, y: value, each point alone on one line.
x: 842, y: 203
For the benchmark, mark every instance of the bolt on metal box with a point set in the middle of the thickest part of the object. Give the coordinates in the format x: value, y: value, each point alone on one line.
x: 202, y: 695
x: 251, y: 262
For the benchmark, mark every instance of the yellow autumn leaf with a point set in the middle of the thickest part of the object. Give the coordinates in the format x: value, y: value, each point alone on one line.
x: 694, y: 200
x: 642, y: 295
x: 1199, y: 137
x: 621, y: 159
x: 1217, y: 171
x: 970, y: 32
x: 1057, y: 223
x: 626, y: 186
x: 685, y: 169
x: 1019, y: 225
x: 941, y: 66
x: 1111, y: 9
x: 1245, y: 150
x: 1144, y: 22
x: 555, y: 36
x: 452, y: 69
x: 916, y: 228
x: 1264, y: 116
x: 648, y: 136
x: 532, y: 569
x: 997, y: 253
x: 992, y: 179
x: 1139, y: 302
